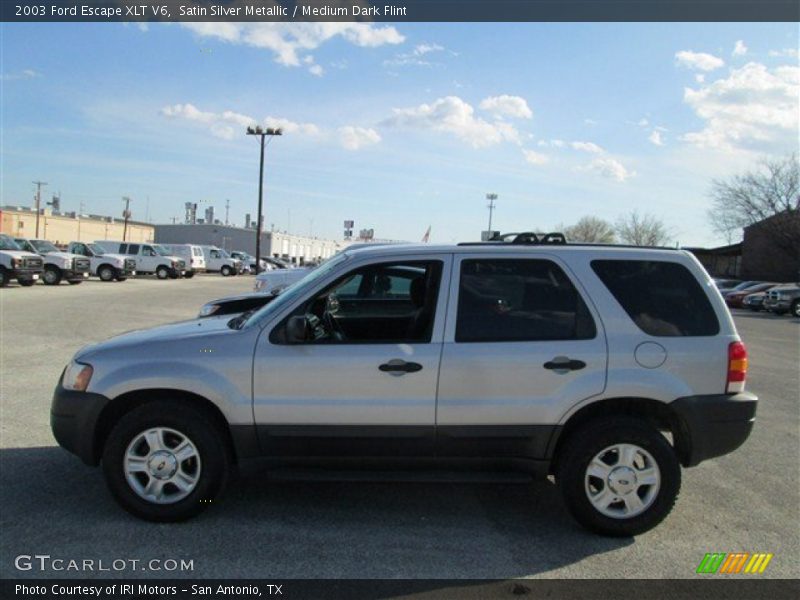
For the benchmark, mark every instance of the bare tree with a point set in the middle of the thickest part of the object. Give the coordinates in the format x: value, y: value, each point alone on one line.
x: 773, y: 189
x: 642, y: 230
x: 592, y: 230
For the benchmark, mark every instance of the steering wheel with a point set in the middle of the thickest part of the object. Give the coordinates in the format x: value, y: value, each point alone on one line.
x: 331, y: 308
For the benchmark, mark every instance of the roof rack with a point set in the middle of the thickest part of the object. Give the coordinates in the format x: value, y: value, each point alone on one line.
x: 525, y: 238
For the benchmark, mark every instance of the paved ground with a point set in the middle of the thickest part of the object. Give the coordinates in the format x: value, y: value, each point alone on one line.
x: 52, y: 504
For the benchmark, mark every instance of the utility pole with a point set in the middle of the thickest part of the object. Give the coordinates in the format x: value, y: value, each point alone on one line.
x: 261, y: 133
x: 491, y: 198
x: 227, y: 209
x: 126, y: 214
x: 38, y: 185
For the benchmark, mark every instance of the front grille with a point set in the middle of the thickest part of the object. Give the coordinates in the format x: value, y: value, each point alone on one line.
x: 32, y: 263
x: 81, y: 265
x: 130, y: 264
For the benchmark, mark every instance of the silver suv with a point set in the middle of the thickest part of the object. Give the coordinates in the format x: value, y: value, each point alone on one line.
x: 607, y: 367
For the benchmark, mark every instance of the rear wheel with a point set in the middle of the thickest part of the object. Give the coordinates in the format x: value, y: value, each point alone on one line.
x: 106, y: 273
x: 51, y: 275
x: 3, y: 277
x: 162, y: 272
x: 166, y: 461
x: 618, y: 476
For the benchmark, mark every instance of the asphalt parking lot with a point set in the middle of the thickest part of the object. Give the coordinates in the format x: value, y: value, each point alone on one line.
x: 50, y: 503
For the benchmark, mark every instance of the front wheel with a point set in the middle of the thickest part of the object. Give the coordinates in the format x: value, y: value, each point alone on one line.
x: 26, y: 282
x: 795, y: 309
x: 189, y: 274
x: 51, y: 276
x: 162, y: 272
x: 166, y: 461
x: 106, y: 273
x: 3, y: 278
x: 618, y: 476
x: 226, y: 271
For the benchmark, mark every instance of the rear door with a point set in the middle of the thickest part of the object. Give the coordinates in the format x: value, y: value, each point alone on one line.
x: 522, y: 343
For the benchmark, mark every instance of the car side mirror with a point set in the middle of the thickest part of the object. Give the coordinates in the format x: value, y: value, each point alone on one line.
x: 296, y: 328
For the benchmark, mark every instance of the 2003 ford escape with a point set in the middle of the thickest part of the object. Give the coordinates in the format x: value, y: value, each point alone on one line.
x: 608, y: 367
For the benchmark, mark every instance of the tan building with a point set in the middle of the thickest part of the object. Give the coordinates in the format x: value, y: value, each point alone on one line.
x: 62, y: 228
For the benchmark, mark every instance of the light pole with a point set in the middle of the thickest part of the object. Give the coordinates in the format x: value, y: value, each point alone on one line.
x: 38, y: 185
x: 126, y: 215
x: 491, y: 198
x: 261, y: 133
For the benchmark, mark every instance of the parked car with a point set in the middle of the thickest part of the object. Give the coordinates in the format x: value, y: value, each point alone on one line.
x: 192, y: 255
x: 726, y: 283
x: 735, y: 299
x: 234, y: 305
x: 16, y: 263
x: 102, y: 264
x: 570, y: 360
x: 754, y: 302
x: 248, y: 262
x: 278, y: 278
x: 784, y: 298
x: 219, y: 261
x: 738, y: 287
x: 150, y: 258
x: 58, y: 266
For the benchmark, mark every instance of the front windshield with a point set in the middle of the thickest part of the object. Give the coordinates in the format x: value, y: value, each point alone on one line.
x: 44, y: 246
x: 294, y: 291
x: 6, y: 243
x: 224, y: 253
x: 97, y: 250
x: 161, y: 250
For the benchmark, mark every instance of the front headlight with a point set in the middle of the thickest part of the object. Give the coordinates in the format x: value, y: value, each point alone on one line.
x: 208, y: 310
x: 77, y: 376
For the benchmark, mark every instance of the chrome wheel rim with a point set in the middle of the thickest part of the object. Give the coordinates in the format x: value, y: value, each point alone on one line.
x: 162, y: 465
x: 622, y: 481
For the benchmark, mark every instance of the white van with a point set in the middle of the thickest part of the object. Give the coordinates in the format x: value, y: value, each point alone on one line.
x: 150, y: 258
x: 192, y: 254
x: 218, y: 260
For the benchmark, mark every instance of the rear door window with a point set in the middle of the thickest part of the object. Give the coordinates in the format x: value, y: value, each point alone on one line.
x: 133, y: 248
x: 663, y: 298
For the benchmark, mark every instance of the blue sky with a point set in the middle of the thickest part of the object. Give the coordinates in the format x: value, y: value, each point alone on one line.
x: 397, y: 126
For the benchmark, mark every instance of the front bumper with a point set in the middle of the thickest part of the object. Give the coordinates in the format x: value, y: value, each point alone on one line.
x: 25, y: 274
x: 76, y: 275
x: 73, y: 420
x: 713, y: 425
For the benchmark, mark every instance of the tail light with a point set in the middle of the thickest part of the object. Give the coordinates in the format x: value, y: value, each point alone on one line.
x: 737, y: 367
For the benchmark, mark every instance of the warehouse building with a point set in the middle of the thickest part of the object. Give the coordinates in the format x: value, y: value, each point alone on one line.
x: 295, y: 248
x: 62, y: 228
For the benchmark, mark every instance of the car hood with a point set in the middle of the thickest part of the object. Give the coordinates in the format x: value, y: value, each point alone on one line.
x: 109, y: 256
x: 64, y: 255
x: 20, y: 254
x: 174, y: 332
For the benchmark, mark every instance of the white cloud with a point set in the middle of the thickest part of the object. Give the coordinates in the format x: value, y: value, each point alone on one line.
x: 590, y: 122
x: 454, y: 116
x: 643, y: 122
x: 786, y: 52
x: 699, y: 78
x: 514, y: 107
x: 354, y: 138
x: 750, y: 108
x: 228, y: 124
x: 590, y: 147
x: 417, y: 56
x: 316, y: 70
x: 535, y: 158
x: 24, y: 74
x: 698, y: 61
x: 655, y: 138
x: 739, y: 49
x: 551, y: 143
x: 290, y: 42
x: 289, y: 126
x: 423, y: 49
x: 611, y: 168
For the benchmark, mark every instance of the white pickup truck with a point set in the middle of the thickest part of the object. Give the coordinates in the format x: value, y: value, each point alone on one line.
x: 15, y: 263
x: 218, y: 260
x: 105, y: 265
x: 58, y: 266
x: 150, y: 258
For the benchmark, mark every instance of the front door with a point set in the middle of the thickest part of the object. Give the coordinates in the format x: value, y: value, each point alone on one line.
x: 363, y: 381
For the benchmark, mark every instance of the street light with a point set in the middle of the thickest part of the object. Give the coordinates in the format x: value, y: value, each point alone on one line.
x: 261, y: 133
x: 491, y: 198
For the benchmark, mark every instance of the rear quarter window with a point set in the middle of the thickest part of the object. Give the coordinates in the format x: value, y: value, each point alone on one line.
x: 663, y: 298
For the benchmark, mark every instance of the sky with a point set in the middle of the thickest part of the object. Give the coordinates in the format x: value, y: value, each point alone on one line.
x: 397, y: 127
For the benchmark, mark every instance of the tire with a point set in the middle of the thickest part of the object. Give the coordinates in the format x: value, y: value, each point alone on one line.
x: 226, y: 271
x: 3, y: 278
x: 75, y: 281
x: 594, y: 441
x: 106, y: 273
x: 795, y: 309
x: 26, y: 282
x: 189, y: 274
x: 51, y: 276
x: 121, y: 278
x: 175, y: 421
x: 162, y: 272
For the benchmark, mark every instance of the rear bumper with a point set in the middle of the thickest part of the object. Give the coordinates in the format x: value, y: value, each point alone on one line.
x: 73, y: 420
x: 713, y: 425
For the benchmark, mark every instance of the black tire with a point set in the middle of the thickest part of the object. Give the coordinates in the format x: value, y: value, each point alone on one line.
x: 3, y: 278
x: 74, y: 281
x: 26, y: 282
x: 226, y: 271
x: 106, y: 273
x: 51, y: 275
x: 189, y: 274
x: 591, y: 439
x: 162, y: 272
x: 795, y: 309
x: 195, y: 424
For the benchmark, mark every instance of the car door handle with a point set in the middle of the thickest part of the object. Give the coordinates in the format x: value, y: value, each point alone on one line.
x: 562, y: 363
x: 398, y: 367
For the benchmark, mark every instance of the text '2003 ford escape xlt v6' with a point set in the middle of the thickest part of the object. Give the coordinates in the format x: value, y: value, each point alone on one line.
x: 608, y: 367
